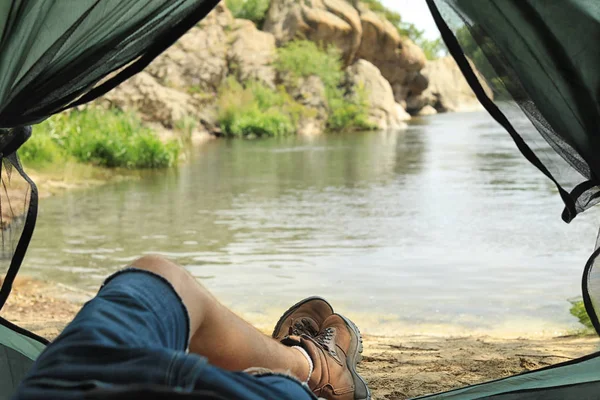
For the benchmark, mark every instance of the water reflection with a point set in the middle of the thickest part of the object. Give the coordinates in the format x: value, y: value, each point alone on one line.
x: 442, y: 223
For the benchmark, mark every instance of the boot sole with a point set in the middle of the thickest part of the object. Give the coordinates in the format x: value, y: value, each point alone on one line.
x: 292, y: 309
x: 354, y: 356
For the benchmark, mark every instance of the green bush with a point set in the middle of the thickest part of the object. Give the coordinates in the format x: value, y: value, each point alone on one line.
x: 106, y: 138
x: 303, y: 58
x: 254, y: 10
x: 579, y: 312
x: 348, y: 112
x: 41, y: 149
x: 255, y: 109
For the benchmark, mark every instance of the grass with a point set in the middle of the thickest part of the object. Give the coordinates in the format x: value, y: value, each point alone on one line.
x: 303, y: 58
x: 579, y: 312
x: 107, y: 138
x: 254, y: 10
x: 253, y: 109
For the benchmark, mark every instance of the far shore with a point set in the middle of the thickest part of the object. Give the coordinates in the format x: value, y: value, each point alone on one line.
x: 396, y: 367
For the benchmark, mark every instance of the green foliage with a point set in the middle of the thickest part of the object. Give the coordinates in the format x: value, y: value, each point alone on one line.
x: 186, y: 125
x: 302, y: 59
x: 254, y: 10
x: 433, y: 48
x: 348, y: 111
x: 578, y: 311
x: 106, y: 138
x: 254, y: 109
x: 41, y: 149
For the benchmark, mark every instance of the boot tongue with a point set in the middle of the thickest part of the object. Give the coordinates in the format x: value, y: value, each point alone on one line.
x: 303, y: 326
x: 291, y: 340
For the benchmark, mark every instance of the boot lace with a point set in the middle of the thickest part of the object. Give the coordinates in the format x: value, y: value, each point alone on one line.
x: 303, y: 327
x: 326, y: 340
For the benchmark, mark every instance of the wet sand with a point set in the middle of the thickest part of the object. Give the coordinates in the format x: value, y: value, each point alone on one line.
x: 396, y: 367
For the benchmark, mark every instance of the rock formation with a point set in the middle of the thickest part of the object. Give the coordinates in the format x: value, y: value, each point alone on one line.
x: 182, y: 84
x: 251, y: 54
x: 198, y: 60
x: 383, y: 109
x: 448, y: 91
x: 327, y: 22
x: 398, y: 58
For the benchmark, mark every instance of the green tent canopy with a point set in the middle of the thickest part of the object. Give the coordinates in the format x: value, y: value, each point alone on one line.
x: 54, y: 55
x: 541, y: 61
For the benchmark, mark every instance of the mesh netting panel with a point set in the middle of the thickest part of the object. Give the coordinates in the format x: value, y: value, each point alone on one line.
x: 18, y: 208
x: 58, y: 54
x: 55, y: 55
x: 530, y: 56
x: 538, y: 77
x: 15, y: 194
x: 591, y: 287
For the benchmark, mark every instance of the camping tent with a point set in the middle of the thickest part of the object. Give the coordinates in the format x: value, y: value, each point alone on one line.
x: 535, y: 56
x: 55, y: 55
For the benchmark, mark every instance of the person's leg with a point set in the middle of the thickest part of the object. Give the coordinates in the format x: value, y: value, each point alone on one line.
x: 226, y: 340
x: 130, y: 342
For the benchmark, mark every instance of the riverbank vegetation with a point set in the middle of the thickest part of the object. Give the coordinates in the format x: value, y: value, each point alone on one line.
x: 252, y: 109
x: 579, y: 312
x: 302, y: 59
x: 107, y: 138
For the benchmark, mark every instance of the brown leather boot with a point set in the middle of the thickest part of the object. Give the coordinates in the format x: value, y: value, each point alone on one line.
x: 335, y: 351
x: 303, y: 318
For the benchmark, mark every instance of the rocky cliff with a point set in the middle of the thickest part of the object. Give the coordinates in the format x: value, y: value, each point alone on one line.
x: 183, y: 83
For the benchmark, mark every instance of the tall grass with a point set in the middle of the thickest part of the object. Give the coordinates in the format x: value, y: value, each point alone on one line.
x: 253, y: 109
x: 303, y: 58
x: 107, y: 138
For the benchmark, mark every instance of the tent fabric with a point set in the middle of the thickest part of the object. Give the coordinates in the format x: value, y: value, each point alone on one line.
x: 18, y: 213
x: 18, y: 351
x: 577, y: 379
x: 55, y: 55
x: 532, y: 55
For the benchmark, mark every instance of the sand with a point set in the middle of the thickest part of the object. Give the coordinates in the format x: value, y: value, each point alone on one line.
x: 395, y: 367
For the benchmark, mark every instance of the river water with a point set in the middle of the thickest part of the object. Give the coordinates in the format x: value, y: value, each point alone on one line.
x: 441, y: 229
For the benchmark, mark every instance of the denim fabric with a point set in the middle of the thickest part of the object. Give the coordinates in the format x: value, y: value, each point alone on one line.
x: 130, y: 341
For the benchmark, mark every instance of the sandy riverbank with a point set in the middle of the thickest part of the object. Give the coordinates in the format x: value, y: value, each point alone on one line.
x: 396, y: 367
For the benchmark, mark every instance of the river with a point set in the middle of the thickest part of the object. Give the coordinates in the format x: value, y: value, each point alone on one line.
x: 441, y: 229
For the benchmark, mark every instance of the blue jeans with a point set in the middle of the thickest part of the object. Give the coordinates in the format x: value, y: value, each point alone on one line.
x: 130, y: 342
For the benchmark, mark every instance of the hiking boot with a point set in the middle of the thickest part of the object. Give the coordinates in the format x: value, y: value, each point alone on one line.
x: 303, y: 318
x: 335, y: 351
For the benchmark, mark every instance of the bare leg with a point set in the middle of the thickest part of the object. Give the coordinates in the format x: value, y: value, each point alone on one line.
x: 218, y: 334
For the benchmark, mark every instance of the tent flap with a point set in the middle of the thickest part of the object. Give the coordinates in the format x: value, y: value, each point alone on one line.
x: 531, y: 54
x: 56, y: 55
x: 546, y: 87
